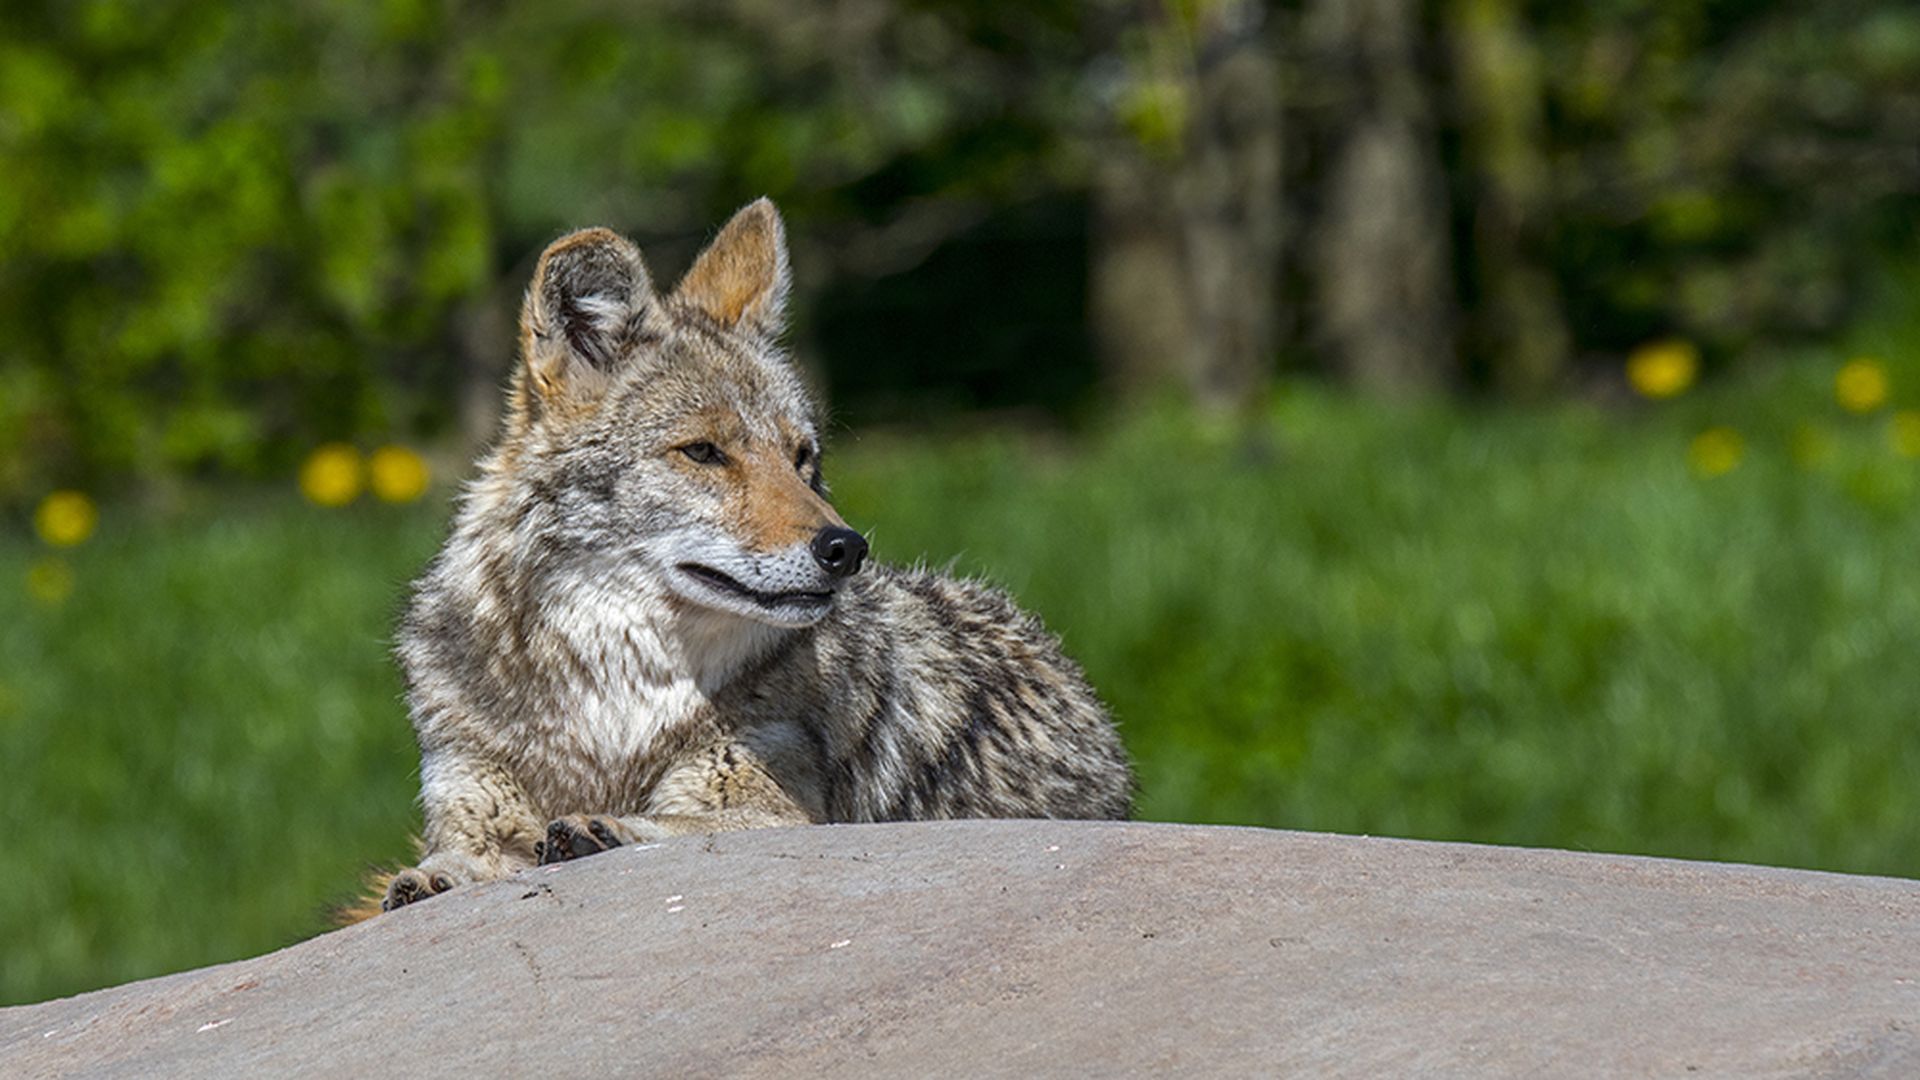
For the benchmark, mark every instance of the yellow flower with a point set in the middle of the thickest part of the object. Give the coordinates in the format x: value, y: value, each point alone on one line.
x: 1716, y: 451
x: 1861, y: 385
x: 1663, y: 369
x: 398, y: 475
x: 50, y: 581
x: 65, y: 518
x: 1903, y: 431
x: 331, y: 475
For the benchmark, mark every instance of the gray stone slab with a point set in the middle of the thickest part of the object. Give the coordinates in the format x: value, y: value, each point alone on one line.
x: 1052, y: 948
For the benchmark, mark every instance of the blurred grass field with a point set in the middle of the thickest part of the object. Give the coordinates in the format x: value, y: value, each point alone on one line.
x: 1543, y: 627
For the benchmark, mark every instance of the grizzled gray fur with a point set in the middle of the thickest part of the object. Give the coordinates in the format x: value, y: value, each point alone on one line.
x: 649, y: 621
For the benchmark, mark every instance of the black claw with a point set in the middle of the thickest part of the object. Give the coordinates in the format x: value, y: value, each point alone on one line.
x: 582, y: 843
x: 554, y: 848
x: 404, y: 890
x: 565, y: 840
x: 440, y: 883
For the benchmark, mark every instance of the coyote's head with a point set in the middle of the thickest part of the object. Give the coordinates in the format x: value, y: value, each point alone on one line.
x: 667, y: 436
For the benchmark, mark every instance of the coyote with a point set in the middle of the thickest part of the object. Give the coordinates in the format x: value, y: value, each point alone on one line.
x: 649, y: 621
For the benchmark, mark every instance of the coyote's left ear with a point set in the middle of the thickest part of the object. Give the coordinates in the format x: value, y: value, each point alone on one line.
x: 588, y: 308
x: 740, y: 280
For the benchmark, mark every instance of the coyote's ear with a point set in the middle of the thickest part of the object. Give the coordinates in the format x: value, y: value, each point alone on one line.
x: 586, y: 310
x: 740, y: 280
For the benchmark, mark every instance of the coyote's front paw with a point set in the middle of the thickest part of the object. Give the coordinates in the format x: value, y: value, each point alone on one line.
x: 413, y: 884
x: 576, y: 835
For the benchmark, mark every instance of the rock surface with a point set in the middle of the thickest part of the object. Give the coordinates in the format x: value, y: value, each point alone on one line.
x: 1052, y: 948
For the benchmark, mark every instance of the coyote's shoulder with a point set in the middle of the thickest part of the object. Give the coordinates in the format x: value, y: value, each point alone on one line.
x: 648, y: 619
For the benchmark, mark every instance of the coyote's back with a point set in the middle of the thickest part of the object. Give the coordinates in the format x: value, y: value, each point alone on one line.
x: 649, y: 620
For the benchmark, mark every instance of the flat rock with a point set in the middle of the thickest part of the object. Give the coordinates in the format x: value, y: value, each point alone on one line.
x: 1052, y: 948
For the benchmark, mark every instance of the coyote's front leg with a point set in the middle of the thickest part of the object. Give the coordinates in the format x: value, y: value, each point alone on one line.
x: 480, y: 826
x: 725, y: 787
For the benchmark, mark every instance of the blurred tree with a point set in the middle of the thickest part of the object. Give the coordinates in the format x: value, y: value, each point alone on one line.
x: 1380, y: 255
x: 1737, y: 173
x: 227, y: 224
x: 1188, y: 205
x: 1517, y: 321
x: 236, y: 232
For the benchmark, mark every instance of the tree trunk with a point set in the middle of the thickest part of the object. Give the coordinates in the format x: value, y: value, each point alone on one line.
x: 1520, y: 325
x: 487, y: 344
x: 1187, y: 206
x: 1380, y: 260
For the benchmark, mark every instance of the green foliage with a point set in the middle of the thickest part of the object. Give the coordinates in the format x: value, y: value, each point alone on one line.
x: 1481, y: 624
x: 236, y: 231
x: 227, y: 227
x: 1731, y: 171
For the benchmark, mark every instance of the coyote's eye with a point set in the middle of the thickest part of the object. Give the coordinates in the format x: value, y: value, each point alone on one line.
x: 704, y: 453
x: 802, y: 456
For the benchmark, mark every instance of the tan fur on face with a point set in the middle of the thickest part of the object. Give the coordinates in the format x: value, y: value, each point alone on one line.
x: 776, y: 507
x: 768, y: 501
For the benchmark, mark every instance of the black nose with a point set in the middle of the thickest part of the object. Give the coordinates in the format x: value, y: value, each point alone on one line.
x: 839, y: 550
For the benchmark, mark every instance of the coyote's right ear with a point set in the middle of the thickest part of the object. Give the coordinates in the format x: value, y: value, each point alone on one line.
x: 585, y: 312
x: 740, y: 281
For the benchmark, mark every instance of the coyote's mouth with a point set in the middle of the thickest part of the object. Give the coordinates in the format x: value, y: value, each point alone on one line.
x: 716, y: 580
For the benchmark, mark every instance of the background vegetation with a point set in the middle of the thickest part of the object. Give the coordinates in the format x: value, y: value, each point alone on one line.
x: 1469, y: 419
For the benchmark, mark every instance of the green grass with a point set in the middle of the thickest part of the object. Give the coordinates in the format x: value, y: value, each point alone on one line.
x: 1514, y: 627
